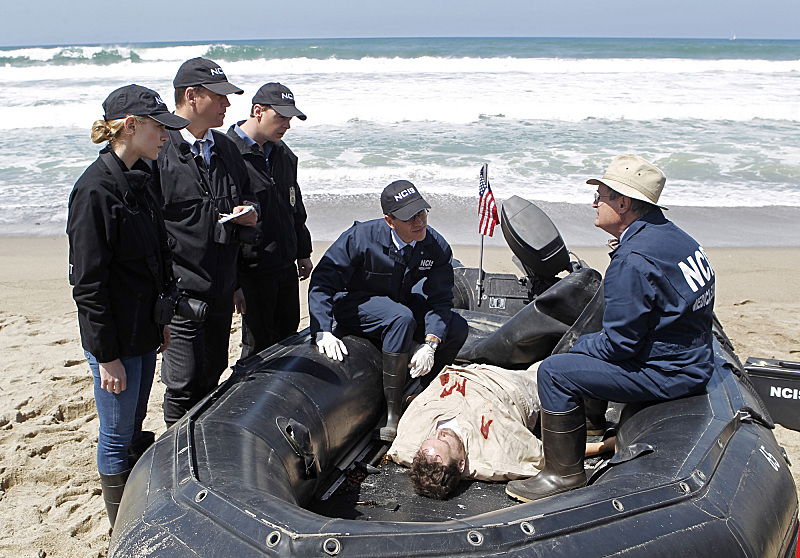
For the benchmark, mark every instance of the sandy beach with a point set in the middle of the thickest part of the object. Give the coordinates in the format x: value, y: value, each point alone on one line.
x: 49, y: 489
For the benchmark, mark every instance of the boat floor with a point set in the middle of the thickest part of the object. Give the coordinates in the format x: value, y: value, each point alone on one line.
x: 386, y: 495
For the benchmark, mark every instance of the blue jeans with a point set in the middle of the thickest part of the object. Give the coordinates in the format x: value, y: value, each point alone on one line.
x: 121, y: 415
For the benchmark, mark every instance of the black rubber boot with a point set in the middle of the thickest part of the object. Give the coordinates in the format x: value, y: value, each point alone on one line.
x: 137, y: 449
x: 113, y: 486
x: 395, y: 370
x: 595, y: 416
x: 564, y: 441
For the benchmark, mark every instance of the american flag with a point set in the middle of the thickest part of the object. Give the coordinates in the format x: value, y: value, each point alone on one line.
x: 487, y: 209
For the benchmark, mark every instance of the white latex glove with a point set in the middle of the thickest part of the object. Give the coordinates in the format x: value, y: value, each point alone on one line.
x: 331, y: 346
x: 422, y: 361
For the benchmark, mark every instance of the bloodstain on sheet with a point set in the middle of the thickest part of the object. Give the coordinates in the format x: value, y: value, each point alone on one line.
x: 485, y: 427
x: 460, y: 388
x: 444, y: 378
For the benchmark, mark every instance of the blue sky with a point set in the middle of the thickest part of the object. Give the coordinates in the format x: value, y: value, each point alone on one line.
x: 48, y: 22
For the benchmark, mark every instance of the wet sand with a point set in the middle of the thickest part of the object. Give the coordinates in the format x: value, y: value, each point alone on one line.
x: 50, y: 498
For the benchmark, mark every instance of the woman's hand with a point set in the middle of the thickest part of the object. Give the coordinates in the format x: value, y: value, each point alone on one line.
x: 112, y: 376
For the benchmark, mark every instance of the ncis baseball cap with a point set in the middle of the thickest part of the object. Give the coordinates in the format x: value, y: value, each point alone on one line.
x: 140, y: 101
x: 201, y: 71
x: 402, y: 200
x: 279, y: 98
x: 633, y: 176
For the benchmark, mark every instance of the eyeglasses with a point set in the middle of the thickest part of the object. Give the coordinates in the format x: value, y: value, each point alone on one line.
x: 422, y: 215
x: 598, y: 197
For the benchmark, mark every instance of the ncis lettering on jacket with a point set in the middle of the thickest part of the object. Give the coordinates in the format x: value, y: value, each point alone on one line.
x: 659, y: 298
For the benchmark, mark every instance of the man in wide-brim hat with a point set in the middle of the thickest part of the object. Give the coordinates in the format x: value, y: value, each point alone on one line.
x: 656, y: 340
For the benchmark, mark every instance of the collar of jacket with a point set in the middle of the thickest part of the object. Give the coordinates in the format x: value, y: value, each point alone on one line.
x: 655, y: 217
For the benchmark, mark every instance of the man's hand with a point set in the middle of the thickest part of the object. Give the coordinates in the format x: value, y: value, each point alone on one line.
x: 304, y: 267
x: 422, y: 361
x: 239, y: 303
x: 248, y: 219
x: 165, y: 345
x: 331, y: 346
x: 112, y: 376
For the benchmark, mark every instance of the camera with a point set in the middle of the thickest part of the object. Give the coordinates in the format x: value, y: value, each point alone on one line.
x: 176, y: 302
x: 247, y: 235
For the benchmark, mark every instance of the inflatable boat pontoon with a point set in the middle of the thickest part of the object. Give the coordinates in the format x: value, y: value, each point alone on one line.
x: 279, y: 461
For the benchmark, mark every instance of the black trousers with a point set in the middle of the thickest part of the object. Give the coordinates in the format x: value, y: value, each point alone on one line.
x: 273, y: 307
x: 196, y: 358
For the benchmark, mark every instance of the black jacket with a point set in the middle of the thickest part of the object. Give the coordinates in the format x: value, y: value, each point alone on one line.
x: 205, y: 266
x: 119, y: 260
x: 282, y: 213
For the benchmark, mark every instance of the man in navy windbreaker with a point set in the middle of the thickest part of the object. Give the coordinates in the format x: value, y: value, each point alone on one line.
x: 391, y: 280
x: 656, y: 340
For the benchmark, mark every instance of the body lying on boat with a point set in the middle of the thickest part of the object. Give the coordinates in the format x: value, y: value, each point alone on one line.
x: 279, y: 461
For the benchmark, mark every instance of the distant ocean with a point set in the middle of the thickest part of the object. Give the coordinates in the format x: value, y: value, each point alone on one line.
x: 721, y: 117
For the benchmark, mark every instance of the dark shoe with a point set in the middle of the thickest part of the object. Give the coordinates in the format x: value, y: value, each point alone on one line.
x: 395, y: 370
x: 137, y: 449
x: 564, y: 441
x: 595, y: 416
x: 113, y: 486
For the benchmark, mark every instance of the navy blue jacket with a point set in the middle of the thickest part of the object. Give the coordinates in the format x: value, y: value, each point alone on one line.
x: 365, y: 259
x: 659, y: 296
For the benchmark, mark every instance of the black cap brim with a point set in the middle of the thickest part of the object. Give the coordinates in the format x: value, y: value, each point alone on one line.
x: 169, y: 120
x: 222, y: 88
x: 288, y: 111
x: 407, y: 212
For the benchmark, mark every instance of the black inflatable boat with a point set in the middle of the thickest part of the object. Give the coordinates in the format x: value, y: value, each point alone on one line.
x: 278, y: 461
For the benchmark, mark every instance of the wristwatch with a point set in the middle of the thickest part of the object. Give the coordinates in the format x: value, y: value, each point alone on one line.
x: 432, y: 343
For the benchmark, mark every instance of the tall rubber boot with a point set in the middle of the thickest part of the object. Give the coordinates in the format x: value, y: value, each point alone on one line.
x: 395, y: 370
x: 595, y: 416
x: 564, y: 441
x: 113, y: 486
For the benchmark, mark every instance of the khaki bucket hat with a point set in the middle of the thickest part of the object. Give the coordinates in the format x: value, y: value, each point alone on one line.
x: 635, y: 177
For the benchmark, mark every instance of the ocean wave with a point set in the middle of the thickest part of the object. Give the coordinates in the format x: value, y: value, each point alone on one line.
x: 444, y: 48
x: 250, y: 59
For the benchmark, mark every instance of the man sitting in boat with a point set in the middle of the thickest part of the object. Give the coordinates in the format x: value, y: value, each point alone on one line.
x: 656, y: 340
x: 475, y: 422
x: 390, y: 280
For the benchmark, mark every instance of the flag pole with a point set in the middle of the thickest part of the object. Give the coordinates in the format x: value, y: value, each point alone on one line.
x: 479, y: 285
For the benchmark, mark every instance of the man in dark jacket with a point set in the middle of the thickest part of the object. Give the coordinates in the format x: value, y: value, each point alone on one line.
x: 656, y: 340
x: 391, y: 280
x: 206, y: 197
x: 269, y: 271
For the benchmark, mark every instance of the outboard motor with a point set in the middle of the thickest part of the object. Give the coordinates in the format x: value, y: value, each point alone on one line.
x: 539, y: 252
